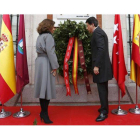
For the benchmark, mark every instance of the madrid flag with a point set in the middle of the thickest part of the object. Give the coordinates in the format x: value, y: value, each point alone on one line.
x: 118, y: 63
x: 21, y: 58
x: 135, y: 60
x: 7, y: 68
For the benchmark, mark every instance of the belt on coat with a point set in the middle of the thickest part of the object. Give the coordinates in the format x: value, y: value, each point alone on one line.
x: 41, y: 54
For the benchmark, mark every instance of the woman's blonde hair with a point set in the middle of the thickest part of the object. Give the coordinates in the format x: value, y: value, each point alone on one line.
x: 45, y: 26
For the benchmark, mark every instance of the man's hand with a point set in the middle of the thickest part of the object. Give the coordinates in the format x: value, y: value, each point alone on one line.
x: 54, y: 72
x: 96, y: 70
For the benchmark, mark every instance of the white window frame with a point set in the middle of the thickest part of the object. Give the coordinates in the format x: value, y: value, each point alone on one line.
x: 75, y: 17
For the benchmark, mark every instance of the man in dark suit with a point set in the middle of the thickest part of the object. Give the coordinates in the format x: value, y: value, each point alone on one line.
x: 102, y: 69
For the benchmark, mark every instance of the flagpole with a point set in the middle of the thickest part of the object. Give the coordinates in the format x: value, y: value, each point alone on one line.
x: 136, y: 89
x: 119, y: 111
x: 21, y: 110
x: 119, y: 106
x: 21, y: 113
x: 119, y: 96
x: 21, y: 99
x: 136, y: 96
x: 135, y: 110
x: 4, y: 114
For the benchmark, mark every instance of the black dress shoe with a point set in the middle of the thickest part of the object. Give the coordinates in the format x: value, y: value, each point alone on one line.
x: 101, y: 117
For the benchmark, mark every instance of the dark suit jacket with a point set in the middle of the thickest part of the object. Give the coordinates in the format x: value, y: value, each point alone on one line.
x: 100, y: 56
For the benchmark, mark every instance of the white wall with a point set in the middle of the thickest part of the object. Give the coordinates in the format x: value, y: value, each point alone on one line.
x: 31, y: 23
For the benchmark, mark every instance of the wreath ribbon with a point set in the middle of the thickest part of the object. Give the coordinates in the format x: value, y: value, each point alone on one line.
x: 83, y: 66
x: 66, y: 66
x: 78, y: 49
x: 75, y: 66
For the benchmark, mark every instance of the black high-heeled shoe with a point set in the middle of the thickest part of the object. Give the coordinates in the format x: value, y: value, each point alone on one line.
x: 44, y: 116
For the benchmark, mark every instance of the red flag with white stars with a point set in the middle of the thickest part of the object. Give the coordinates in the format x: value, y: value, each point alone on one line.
x: 118, y: 63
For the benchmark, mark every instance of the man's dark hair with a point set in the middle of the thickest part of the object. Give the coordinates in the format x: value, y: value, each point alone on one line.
x: 92, y: 20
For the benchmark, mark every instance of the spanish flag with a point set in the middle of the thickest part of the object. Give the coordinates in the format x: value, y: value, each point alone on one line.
x: 7, y: 68
x: 135, y: 60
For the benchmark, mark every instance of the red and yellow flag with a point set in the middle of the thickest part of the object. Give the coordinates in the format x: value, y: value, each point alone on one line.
x: 135, y: 60
x: 7, y: 67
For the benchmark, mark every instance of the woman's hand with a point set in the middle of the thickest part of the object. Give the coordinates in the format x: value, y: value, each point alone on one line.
x: 54, y: 72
